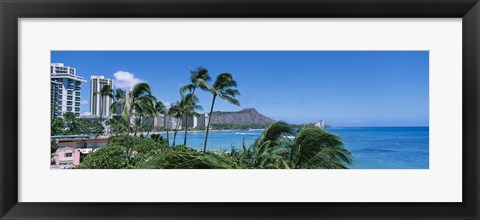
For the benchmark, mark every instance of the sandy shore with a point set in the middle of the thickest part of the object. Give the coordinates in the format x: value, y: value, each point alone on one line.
x: 190, y: 131
x: 179, y: 131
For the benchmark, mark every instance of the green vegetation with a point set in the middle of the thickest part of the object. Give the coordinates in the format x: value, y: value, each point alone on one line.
x: 199, y: 78
x: 107, y: 157
x: 311, y: 148
x: 71, y: 125
x: 280, y: 146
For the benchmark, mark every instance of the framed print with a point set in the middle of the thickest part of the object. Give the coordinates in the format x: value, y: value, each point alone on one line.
x: 226, y: 109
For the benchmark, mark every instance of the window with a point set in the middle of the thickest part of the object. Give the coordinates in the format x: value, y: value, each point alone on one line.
x: 68, y: 154
x: 69, y: 97
x: 69, y: 109
x: 69, y: 102
x: 69, y: 92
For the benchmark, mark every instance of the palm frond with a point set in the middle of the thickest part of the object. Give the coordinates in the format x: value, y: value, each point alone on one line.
x: 276, y: 130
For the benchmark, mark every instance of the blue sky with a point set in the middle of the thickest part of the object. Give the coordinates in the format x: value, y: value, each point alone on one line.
x: 344, y: 88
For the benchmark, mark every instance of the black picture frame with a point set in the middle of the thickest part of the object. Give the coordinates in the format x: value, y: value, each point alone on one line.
x: 12, y: 10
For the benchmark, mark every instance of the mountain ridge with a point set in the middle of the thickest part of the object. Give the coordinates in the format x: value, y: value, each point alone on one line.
x: 242, y: 117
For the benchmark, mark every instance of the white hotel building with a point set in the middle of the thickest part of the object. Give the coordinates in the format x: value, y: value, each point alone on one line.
x: 66, y: 89
x: 99, y: 105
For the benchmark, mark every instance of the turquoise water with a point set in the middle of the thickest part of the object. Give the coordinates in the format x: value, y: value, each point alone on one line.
x: 372, y: 147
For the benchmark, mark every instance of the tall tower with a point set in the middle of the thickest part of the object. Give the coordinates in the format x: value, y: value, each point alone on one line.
x: 69, y: 85
x: 100, y: 105
x: 55, y: 88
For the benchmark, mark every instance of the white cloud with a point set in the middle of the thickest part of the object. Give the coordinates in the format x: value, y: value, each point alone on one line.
x: 167, y: 104
x: 125, y: 80
x: 84, y: 102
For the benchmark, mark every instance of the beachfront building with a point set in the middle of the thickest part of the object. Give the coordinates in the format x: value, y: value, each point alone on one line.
x: 199, y: 121
x: 99, y: 105
x: 167, y: 122
x: 70, y: 92
x: 320, y: 124
x: 194, y: 121
x: 55, y: 93
x: 67, y: 156
x: 72, y: 149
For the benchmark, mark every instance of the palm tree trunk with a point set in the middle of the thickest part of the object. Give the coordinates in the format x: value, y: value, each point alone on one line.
x: 165, y: 128
x: 128, y: 122
x: 174, y: 137
x: 129, y: 113
x: 168, y: 138
x: 101, y: 116
x: 186, y: 129
x: 208, y: 124
x: 186, y: 121
x: 175, y: 132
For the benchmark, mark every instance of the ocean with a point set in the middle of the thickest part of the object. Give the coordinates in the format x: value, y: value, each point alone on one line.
x: 372, y: 147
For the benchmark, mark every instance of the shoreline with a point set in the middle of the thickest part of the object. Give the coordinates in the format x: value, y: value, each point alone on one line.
x: 195, y: 131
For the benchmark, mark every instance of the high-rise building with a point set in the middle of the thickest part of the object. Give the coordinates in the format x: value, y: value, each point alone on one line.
x: 199, y: 121
x: 165, y: 121
x: 100, y: 105
x: 320, y: 124
x: 55, y: 89
x: 194, y: 121
x: 69, y: 95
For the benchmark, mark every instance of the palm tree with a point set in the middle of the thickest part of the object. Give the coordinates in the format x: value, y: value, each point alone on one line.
x: 317, y: 148
x: 175, y: 111
x: 159, y: 108
x: 69, y: 119
x: 272, y: 149
x: 117, y: 125
x: 199, y: 78
x: 146, y: 110
x: 188, y: 106
x: 223, y: 88
x: 105, y: 91
x: 310, y: 148
x: 118, y: 101
x: 139, y: 101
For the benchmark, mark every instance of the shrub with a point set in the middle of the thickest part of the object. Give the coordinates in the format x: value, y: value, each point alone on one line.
x: 182, y: 157
x: 108, y: 157
x: 137, y: 144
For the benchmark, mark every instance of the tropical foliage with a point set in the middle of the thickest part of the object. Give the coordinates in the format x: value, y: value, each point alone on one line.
x: 199, y: 78
x: 310, y: 148
x: 71, y: 125
x: 105, y: 91
x: 280, y: 146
